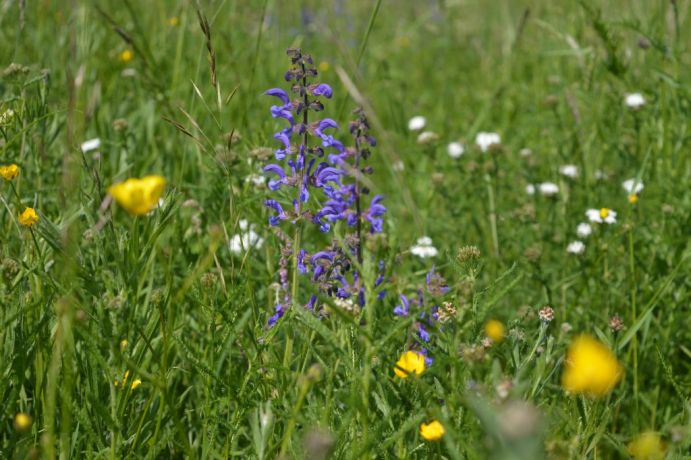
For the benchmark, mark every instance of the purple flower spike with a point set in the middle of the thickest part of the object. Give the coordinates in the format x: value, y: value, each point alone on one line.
x: 322, y: 89
x: 275, y: 184
x: 280, y: 311
x: 279, y: 93
x: 404, y: 308
x: 280, y: 213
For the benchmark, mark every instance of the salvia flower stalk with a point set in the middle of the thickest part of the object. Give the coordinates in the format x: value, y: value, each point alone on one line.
x: 316, y: 181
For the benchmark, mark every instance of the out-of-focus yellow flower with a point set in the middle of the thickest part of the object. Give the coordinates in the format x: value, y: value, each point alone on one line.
x: 126, y: 56
x: 495, y: 330
x: 135, y: 383
x: 403, y: 41
x: 591, y: 368
x: 138, y: 196
x: 28, y: 218
x: 647, y: 446
x: 410, y: 362
x: 633, y: 198
x: 173, y: 21
x: 22, y: 422
x: 123, y: 345
x: 432, y: 431
x: 9, y: 172
x: 324, y: 66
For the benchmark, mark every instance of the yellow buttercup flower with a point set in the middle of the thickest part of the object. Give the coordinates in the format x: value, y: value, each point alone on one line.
x: 138, y: 196
x: 28, y: 218
x: 591, y: 368
x: 411, y: 362
x: 126, y: 56
x: 9, y: 172
x: 432, y: 431
x: 495, y: 330
x: 22, y: 422
x: 135, y: 384
x: 647, y: 446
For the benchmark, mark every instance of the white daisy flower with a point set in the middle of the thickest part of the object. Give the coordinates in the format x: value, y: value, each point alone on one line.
x: 530, y: 189
x: 486, y: 140
x: 548, y: 188
x: 603, y: 215
x: 417, y: 123
x: 575, y: 247
x: 584, y: 230
x: 632, y: 186
x: 455, y: 149
x: 570, y: 171
x: 634, y: 100
x: 423, y: 248
x: 91, y: 144
x: 427, y: 137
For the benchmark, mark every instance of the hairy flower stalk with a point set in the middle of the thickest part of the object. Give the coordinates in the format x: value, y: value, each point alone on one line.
x: 325, y: 178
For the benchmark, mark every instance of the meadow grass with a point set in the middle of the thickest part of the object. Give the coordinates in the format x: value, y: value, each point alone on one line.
x: 93, y: 299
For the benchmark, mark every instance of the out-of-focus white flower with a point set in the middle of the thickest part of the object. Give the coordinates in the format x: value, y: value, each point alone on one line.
x: 486, y: 140
x: 603, y: 215
x: 455, y: 149
x: 530, y: 189
x: 525, y: 152
x: 584, y: 230
x: 634, y: 100
x: 256, y: 179
x: 575, y: 247
x: 600, y: 174
x: 548, y: 188
x: 246, y: 240
x: 632, y: 186
x: 570, y: 171
x: 6, y: 116
x: 91, y: 144
x: 417, y: 123
x: 423, y: 248
x: 398, y: 166
x: 427, y: 137
x: 129, y: 72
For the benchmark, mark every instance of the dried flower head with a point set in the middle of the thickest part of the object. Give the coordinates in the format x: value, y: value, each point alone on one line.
x: 546, y: 314
x: 616, y: 323
x: 468, y: 254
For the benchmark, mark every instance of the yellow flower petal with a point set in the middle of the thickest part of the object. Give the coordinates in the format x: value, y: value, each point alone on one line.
x: 9, y: 172
x: 495, y: 330
x: 591, y: 368
x: 432, y: 431
x: 28, y: 218
x: 411, y: 362
x: 647, y: 446
x: 138, y: 196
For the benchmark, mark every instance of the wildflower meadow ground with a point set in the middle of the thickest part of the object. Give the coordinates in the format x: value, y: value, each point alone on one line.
x: 320, y: 229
